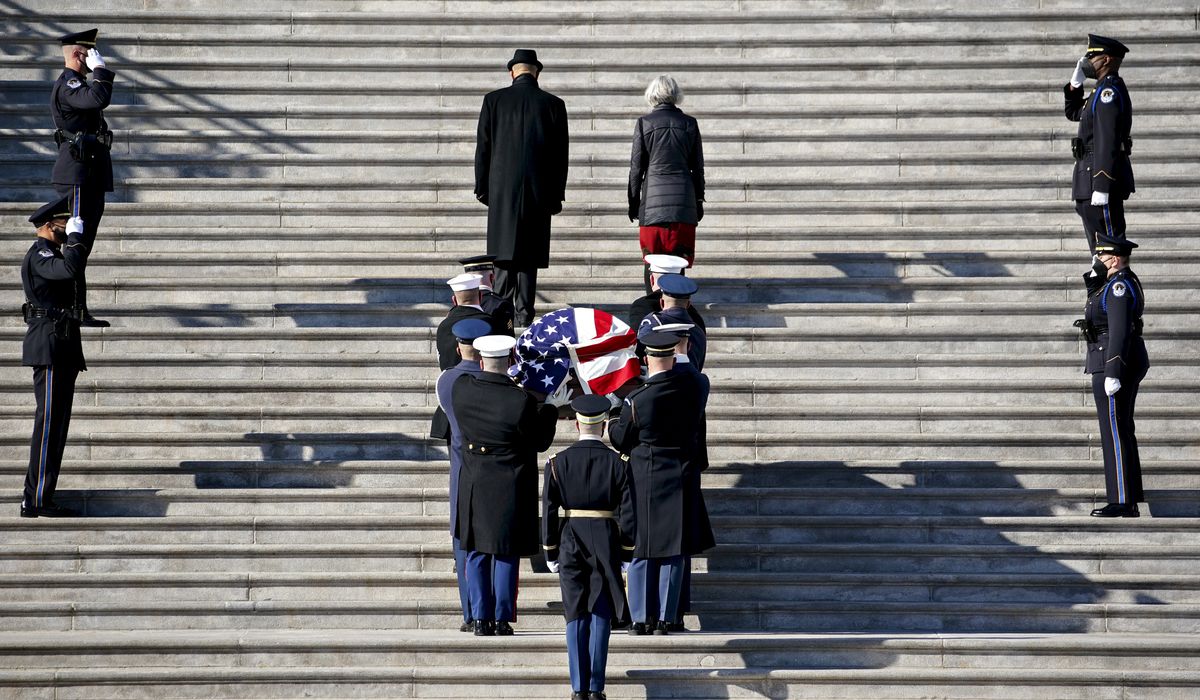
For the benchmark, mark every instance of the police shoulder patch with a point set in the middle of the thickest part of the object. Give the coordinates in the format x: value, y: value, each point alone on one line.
x: 1106, y: 95
x: 74, y: 83
x: 1118, y: 289
x: 46, y: 253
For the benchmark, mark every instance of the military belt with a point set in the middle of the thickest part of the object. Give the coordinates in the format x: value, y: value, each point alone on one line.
x: 29, y: 311
x: 598, y: 514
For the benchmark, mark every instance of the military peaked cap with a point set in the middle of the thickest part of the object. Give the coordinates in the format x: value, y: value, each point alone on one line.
x: 58, y: 209
x: 87, y: 38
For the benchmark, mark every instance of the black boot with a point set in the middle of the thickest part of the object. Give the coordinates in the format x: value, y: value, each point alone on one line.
x: 1117, y: 510
x: 87, y: 320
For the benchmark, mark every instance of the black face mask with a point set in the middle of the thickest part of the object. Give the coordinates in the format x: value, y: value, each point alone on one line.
x: 1089, y: 70
x: 1099, y: 269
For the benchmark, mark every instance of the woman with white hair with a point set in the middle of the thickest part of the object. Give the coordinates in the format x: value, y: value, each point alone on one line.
x: 666, y: 175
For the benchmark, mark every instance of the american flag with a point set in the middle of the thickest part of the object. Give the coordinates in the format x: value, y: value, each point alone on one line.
x: 600, y: 347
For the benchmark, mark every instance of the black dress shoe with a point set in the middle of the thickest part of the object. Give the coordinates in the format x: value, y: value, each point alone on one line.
x: 660, y: 629
x: 676, y: 627
x: 637, y: 629
x: 596, y: 695
x: 579, y: 696
x: 1117, y: 510
x: 503, y: 629
x: 49, y: 510
x: 89, y: 321
x: 467, y: 626
x: 484, y: 628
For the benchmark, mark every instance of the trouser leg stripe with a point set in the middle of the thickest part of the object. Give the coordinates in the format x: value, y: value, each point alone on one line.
x: 1116, y: 438
x: 48, y: 401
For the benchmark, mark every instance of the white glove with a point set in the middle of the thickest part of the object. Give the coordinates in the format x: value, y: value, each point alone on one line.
x: 553, y: 566
x: 1099, y: 199
x: 94, y: 60
x: 1111, y: 385
x: 74, y: 225
x: 624, y: 567
x: 1078, y: 77
x: 561, y: 396
x: 613, y: 401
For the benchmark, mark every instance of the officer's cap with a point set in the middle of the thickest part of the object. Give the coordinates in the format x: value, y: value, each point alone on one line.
x: 87, y: 38
x: 1114, y: 246
x: 677, y: 286
x: 468, y: 329
x: 478, y: 263
x: 495, y: 345
x: 666, y: 264
x: 659, y: 344
x: 679, y: 330
x: 525, y: 56
x: 58, y: 209
x: 465, y: 281
x: 590, y: 409
x: 1098, y: 45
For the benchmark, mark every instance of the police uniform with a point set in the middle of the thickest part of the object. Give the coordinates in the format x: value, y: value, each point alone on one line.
x: 643, y: 306
x: 493, y: 304
x: 593, y: 487
x: 55, y: 351
x: 503, y: 428
x: 1102, y: 147
x: 678, y: 287
x: 83, y: 170
x: 657, y: 428
x: 466, y: 332
x: 1115, y: 350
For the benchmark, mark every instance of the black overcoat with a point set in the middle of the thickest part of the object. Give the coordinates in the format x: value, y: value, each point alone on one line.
x: 48, y: 276
x: 77, y: 105
x: 503, y: 428
x: 521, y: 170
x: 589, y: 476
x: 660, y: 428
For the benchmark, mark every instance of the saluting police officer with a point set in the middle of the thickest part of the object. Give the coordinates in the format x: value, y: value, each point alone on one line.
x: 1103, y: 177
x: 83, y: 171
x: 1117, y: 361
x: 593, y: 487
x: 503, y: 428
x: 642, y: 306
x: 466, y: 331
x: 677, y: 292
x: 658, y: 429
x: 495, y: 305
x: 53, y: 347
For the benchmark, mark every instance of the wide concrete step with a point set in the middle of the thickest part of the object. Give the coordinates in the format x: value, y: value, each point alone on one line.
x: 868, y: 499
x: 899, y: 473
x: 437, y: 558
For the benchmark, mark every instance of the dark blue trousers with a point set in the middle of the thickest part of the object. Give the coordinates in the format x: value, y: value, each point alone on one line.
x: 492, y: 584
x: 1122, y: 464
x: 587, y: 648
x: 54, y: 389
x: 654, y: 588
x: 460, y: 570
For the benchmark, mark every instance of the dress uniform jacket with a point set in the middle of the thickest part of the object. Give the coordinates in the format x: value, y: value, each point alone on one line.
x: 697, y: 338
x: 48, y: 277
x: 589, y: 476
x: 500, y: 309
x: 503, y: 428
x: 444, y: 387
x: 78, y: 106
x: 652, y: 303
x: 1105, y: 119
x: 1115, y: 312
x: 659, y: 429
x: 447, y: 348
x: 521, y: 170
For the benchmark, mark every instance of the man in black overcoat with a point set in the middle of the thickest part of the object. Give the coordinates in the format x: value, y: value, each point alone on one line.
x: 83, y: 170
x: 658, y: 429
x: 592, y: 486
x: 521, y: 175
x: 52, y: 346
x: 503, y: 428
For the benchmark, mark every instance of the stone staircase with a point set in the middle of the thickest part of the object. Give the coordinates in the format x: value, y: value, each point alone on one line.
x: 904, y: 449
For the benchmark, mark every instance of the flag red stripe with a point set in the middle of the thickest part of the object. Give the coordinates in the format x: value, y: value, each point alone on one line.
x: 607, y: 345
x: 608, y: 383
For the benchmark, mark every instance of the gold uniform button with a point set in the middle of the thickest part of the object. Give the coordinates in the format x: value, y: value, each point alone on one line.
x: 483, y: 450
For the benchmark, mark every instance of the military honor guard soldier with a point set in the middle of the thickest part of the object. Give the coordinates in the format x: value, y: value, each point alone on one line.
x: 495, y: 305
x: 83, y: 170
x: 660, y: 430
x: 588, y: 545
x: 643, y: 306
x: 1117, y: 361
x: 503, y: 427
x: 53, y: 347
x: 1103, y: 177
x: 677, y: 292
x: 466, y: 332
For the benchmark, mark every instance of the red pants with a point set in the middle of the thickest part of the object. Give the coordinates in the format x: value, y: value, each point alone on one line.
x: 669, y: 239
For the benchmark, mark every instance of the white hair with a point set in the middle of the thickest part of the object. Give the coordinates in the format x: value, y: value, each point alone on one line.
x: 663, y: 90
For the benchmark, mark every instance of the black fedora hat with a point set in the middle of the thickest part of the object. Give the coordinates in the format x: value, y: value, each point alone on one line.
x: 525, y: 56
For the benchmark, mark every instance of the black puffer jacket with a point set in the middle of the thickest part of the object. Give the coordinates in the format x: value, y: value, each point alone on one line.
x: 666, y: 171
